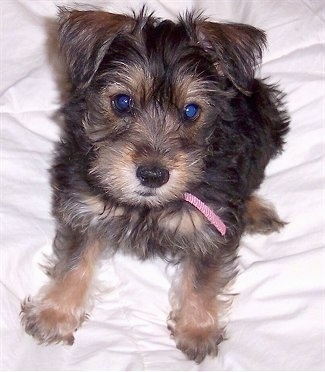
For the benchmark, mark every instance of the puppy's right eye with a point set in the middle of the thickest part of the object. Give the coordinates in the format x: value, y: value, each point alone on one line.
x: 122, y: 103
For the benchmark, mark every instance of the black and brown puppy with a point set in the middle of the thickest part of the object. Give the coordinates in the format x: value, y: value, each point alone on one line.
x: 167, y: 135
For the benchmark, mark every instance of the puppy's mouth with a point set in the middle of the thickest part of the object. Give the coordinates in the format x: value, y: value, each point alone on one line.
x: 154, y: 197
x: 146, y: 194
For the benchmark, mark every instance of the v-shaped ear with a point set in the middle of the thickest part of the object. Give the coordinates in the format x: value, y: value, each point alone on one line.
x: 84, y: 38
x: 236, y: 50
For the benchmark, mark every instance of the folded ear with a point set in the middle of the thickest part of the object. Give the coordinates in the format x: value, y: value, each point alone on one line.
x: 236, y: 50
x: 85, y: 36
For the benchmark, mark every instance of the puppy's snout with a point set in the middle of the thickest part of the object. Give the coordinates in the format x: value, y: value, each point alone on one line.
x: 152, y: 176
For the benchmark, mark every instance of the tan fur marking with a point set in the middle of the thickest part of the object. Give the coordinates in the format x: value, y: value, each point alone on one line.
x: 69, y: 292
x: 61, y: 306
x: 194, y: 320
x: 185, y: 221
x: 261, y: 216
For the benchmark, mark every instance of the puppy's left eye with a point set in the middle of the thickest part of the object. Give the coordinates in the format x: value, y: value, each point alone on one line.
x: 191, y: 111
x: 122, y: 103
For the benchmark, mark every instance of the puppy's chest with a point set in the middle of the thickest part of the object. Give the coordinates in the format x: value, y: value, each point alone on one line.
x: 155, y: 232
x: 183, y: 222
x: 144, y: 231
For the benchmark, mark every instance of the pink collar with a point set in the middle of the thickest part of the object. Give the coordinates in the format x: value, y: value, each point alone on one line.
x: 207, y: 212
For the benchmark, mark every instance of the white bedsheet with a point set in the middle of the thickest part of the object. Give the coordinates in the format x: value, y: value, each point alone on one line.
x: 277, y: 320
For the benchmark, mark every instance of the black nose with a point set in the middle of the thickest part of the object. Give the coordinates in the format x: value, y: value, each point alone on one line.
x: 152, y: 176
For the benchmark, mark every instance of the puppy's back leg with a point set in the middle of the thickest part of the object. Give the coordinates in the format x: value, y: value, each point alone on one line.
x: 261, y: 217
x: 62, y: 304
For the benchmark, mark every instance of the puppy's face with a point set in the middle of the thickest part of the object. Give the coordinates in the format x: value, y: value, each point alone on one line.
x: 153, y: 94
x: 149, y: 122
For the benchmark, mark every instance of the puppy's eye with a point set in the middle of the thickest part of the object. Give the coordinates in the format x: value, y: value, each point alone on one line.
x: 122, y: 103
x: 191, y: 111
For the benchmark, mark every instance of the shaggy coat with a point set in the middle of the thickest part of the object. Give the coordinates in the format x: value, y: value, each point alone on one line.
x: 158, y: 109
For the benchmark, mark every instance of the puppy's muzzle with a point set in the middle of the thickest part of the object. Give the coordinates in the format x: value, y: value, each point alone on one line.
x: 152, y: 176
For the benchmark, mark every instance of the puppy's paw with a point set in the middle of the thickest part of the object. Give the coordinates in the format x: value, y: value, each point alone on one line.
x: 49, y: 323
x: 194, y: 340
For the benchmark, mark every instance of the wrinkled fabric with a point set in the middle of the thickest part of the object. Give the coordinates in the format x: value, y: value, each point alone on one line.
x: 277, y: 317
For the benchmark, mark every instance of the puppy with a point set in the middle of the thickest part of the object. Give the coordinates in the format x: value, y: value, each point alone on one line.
x: 167, y: 135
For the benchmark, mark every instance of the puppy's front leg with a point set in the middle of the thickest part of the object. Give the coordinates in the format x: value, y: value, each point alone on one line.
x: 194, y: 320
x: 61, y: 306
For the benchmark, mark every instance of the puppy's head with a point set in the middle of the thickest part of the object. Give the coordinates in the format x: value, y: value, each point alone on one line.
x: 151, y: 94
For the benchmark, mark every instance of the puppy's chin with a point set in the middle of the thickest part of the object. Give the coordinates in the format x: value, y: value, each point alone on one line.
x: 148, y: 197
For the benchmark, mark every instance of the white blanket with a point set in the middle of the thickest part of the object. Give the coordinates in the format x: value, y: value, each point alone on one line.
x: 277, y: 319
